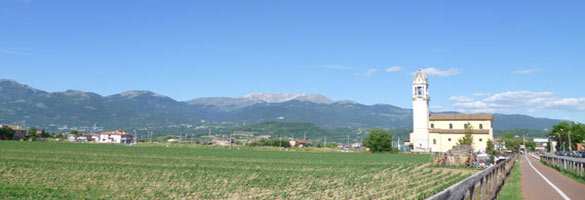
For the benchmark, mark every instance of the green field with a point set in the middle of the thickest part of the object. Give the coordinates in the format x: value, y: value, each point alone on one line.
x: 41, y: 170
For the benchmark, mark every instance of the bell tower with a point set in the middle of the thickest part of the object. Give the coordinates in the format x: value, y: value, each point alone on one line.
x: 420, y: 112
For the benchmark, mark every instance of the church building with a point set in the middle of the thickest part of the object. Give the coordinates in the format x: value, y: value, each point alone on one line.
x: 441, y: 132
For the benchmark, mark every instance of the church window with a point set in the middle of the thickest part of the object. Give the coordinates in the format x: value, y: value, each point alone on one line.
x: 434, y: 141
x: 480, y: 139
x: 450, y: 126
x: 419, y: 91
x: 449, y: 139
x: 432, y: 125
x: 480, y: 126
x: 465, y: 126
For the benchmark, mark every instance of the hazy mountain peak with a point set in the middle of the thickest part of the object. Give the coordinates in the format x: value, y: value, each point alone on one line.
x: 12, y: 83
x: 346, y: 101
x: 130, y: 94
x: 284, y: 97
x: 79, y: 93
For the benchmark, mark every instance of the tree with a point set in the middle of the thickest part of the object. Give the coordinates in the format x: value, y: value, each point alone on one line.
x: 378, y: 140
x: 45, y: 134
x: 561, y: 132
x: 32, y: 132
x: 491, y: 151
x: 6, y: 133
x: 468, y: 138
x: 511, y: 141
x: 74, y: 132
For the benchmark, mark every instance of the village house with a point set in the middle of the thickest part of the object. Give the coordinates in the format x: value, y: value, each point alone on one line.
x: 173, y: 140
x: 356, y: 145
x: 19, y: 132
x: 118, y: 136
x: 87, y: 138
x: 220, y: 142
x: 299, y: 143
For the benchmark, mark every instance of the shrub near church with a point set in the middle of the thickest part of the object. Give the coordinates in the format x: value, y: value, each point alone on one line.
x: 379, y: 141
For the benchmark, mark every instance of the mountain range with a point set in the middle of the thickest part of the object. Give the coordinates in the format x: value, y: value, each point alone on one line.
x: 26, y: 106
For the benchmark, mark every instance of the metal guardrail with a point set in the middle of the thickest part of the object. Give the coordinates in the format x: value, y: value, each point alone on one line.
x: 570, y: 164
x: 483, y: 185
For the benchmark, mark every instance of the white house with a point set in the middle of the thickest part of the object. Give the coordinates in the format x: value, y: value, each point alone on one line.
x: 118, y: 136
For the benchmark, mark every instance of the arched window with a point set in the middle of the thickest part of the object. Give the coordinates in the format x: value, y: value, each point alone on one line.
x: 434, y: 141
x: 480, y: 139
x: 449, y: 139
x: 480, y: 126
x: 432, y: 125
x: 450, y: 126
x: 465, y: 126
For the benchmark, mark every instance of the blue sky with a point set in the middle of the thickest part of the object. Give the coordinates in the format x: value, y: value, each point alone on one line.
x: 525, y: 57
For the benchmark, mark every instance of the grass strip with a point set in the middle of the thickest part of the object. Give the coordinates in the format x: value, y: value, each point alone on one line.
x: 512, y: 189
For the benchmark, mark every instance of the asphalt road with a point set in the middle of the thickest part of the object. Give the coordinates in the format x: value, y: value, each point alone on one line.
x: 558, y: 186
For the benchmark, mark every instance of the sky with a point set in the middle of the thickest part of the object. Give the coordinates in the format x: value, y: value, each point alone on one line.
x: 514, y: 57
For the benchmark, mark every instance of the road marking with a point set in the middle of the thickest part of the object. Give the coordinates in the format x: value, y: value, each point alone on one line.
x: 547, y: 181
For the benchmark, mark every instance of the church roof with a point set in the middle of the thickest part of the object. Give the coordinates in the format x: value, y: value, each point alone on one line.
x: 443, y: 117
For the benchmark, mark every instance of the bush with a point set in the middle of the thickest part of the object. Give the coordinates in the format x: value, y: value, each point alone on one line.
x: 379, y: 141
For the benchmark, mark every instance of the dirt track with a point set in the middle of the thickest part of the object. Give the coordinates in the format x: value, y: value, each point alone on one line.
x: 534, y: 187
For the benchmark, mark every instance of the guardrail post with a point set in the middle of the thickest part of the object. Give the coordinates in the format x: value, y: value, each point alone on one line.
x: 483, y: 185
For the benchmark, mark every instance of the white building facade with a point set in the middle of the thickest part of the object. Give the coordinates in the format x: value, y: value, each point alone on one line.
x: 116, y: 137
x: 441, y: 132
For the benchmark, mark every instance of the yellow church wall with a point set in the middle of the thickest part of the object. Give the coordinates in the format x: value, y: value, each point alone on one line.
x: 487, y: 124
x: 444, y: 142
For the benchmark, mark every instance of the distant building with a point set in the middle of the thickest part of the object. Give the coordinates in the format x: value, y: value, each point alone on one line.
x: 499, y: 144
x: 441, y: 132
x: 19, y: 132
x: 356, y: 145
x: 71, y: 138
x: 299, y: 143
x: 83, y: 138
x: 118, y: 136
x: 220, y: 142
x: 541, y: 144
x: 174, y: 140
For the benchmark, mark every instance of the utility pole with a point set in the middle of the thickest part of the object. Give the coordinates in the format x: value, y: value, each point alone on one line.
x: 325, y: 144
x: 230, y: 140
x: 348, y: 145
x: 279, y: 141
x: 305, y: 135
x: 135, y: 135
x: 524, y: 142
x: 209, y: 135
